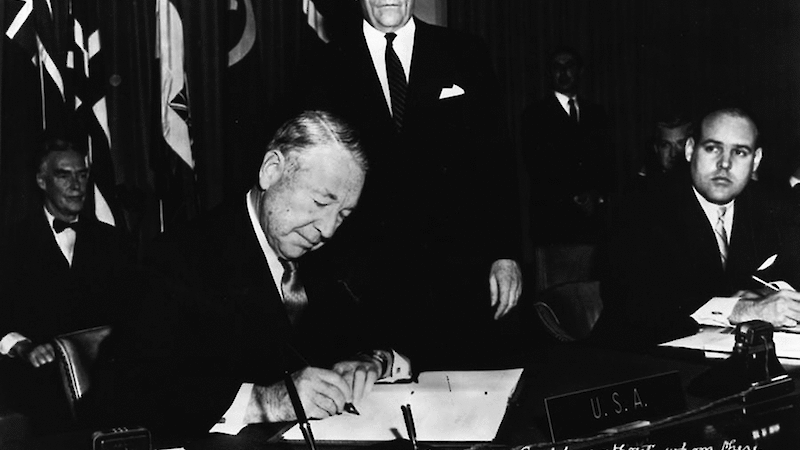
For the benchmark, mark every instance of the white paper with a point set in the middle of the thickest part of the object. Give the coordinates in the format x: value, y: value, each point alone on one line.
x: 719, y: 342
x: 446, y: 406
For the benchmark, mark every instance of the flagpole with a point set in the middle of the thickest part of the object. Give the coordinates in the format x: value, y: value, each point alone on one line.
x: 41, y: 80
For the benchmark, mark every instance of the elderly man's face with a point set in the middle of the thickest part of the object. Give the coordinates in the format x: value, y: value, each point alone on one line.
x: 670, y: 145
x: 387, y: 16
x: 63, y: 178
x: 300, y: 211
x: 724, y: 158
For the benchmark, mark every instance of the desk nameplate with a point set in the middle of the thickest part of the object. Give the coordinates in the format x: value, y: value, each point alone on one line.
x: 589, y: 411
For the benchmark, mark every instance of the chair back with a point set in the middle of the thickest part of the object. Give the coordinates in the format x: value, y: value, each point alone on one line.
x: 76, y: 353
x: 569, y: 311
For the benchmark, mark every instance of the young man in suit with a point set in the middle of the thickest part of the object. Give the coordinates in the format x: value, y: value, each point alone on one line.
x: 705, y: 238
x: 441, y: 206
x: 60, y: 274
x: 239, y: 298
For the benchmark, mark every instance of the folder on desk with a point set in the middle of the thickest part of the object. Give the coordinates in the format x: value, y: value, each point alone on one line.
x: 448, y: 406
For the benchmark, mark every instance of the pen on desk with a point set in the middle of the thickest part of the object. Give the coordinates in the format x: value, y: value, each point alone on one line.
x: 302, y: 420
x: 412, y: 432
x: 765, y: 283
x: 351, y: 408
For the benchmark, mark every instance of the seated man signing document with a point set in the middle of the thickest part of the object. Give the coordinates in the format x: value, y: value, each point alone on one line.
x: 704, y: 237
x: 238, y: 298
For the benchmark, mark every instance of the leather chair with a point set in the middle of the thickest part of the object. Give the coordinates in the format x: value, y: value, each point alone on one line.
x: 569, y: 311
x: 76, y: 353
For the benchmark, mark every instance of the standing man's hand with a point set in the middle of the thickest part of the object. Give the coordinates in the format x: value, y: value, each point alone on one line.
x: 36, y: 355
x: 505, y: 286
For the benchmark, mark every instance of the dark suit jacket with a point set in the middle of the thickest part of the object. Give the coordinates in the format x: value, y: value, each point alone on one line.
x: 213, y: 320
x: 43, y: 296
x: 440, y: 203
x: 665, y: 264
x: 564, y: 159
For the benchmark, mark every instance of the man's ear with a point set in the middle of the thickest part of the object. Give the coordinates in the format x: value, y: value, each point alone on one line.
x: 757, y: 158
x: 40, y: 181
x: 688, y: 149
x: 271, y: 169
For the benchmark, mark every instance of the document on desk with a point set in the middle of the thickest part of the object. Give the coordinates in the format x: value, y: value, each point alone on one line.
x: 455, y: 406
x: 719, y: 342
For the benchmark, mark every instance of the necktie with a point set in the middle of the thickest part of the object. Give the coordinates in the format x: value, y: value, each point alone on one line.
x: 573, y: 110
x: 722, y: 235
x: 397, y: 82
x: 60, y: 225
x: 294, y: 295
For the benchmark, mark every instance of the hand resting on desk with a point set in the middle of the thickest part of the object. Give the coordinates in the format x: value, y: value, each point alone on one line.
x: 781, y: 308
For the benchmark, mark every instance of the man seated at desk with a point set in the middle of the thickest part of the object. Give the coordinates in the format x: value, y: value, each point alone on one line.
x: 703, y: 238
x: 229, y: 314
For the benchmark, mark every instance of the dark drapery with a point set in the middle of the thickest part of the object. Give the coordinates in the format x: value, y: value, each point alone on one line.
x: 233, y: 109
x: 645, y: 58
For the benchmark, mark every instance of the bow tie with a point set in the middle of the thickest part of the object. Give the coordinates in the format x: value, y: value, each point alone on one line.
x: 59, y: 225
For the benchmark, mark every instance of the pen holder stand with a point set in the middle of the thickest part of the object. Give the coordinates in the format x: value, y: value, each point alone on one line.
x: 753, y: 363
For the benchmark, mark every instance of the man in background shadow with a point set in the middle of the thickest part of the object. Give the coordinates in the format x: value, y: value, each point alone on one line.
x: 62, y: 271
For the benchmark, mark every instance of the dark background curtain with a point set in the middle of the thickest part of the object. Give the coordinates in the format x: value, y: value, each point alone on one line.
x: 643, y: 58
x: 646, y: 58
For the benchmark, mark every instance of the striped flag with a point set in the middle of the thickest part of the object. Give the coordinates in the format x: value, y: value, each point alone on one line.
x: 20, y: 26
x: 90, y: 111
x: 315, y: 20
x: 62, y: 38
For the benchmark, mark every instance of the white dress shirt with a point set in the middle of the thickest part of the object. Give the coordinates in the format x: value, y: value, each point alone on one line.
x: 403, y: 45
x: 564, y: 99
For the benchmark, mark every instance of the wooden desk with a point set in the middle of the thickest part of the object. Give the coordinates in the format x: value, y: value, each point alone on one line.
x: 566, y: 368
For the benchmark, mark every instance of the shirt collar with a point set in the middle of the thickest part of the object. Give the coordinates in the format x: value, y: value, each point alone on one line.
x: 275, y: 266
x: 712, y: 211
x: 51, y: 218
x: 403, y: 44
x: 564, y: 99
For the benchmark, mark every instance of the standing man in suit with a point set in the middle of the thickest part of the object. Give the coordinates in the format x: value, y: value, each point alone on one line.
x: 703, y: 239
x: 567, y: 153
x: 441, y: 207
x: 60, y: 274
x: 238, y: 298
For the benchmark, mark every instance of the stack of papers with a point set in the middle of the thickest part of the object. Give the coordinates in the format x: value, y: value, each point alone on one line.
x: 463, y: 406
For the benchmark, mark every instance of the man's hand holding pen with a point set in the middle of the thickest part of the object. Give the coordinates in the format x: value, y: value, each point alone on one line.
x: 322, y: 392
x: 360, y: 375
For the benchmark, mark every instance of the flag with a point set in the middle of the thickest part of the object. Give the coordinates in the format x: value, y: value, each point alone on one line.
x: 247, y: 36
x: 174, y: 92
x: 315, y: 20
x: 62, y: 40
x: 90, y: 114
x: 20, y: 26
x: 175, y: 176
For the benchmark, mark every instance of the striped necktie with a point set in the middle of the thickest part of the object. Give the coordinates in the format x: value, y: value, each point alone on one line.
x: 397, y: 82
x: 294, y: 294
x: 722, y: 235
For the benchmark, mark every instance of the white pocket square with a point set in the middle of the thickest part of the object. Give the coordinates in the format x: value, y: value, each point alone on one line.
x: 454, y: 91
